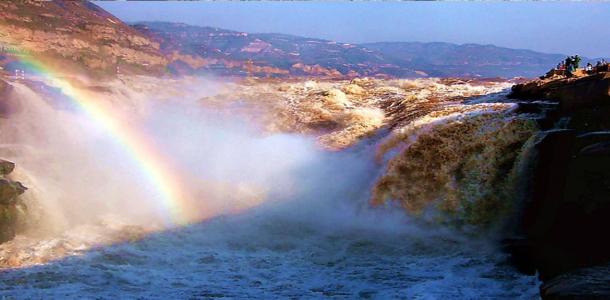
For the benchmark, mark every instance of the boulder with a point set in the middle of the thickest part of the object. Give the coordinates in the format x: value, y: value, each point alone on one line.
x: 11, y: 208
x: 8, y: 222
x: 6, y: 167
x: 9, y: 190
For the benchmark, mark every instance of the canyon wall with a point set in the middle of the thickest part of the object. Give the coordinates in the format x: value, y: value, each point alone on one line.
x: 563, y: 229
x: 74, y: 36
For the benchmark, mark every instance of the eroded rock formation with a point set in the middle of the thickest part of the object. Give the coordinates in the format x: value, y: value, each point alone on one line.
x: 11, y: 207
x: 565, y: 222
x: 76, y: 36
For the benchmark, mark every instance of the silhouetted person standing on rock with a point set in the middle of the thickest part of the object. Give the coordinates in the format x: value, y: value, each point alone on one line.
x: 569, y: 66
x: 576, y: 60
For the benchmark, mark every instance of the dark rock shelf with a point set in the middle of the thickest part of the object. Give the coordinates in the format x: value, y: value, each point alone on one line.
x: 563, y: 231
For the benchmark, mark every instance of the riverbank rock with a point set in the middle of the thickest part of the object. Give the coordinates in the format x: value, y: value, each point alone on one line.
x: 571, y: 93
x: 569, y: 213
x: 76, y: 37
x: 11, y: 207
x: 564, y: 222
x: 6, y: 167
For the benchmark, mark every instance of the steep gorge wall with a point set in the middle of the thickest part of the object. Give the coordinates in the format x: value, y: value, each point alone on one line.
x: 12, y: 208
x: 76, y: 36
x: 563, y: 230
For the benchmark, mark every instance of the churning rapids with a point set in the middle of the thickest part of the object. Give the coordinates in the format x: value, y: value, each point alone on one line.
x: 278, y: 215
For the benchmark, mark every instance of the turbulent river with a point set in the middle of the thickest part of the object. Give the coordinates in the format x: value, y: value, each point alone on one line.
x: 267, y: 256
x: 289, y: 219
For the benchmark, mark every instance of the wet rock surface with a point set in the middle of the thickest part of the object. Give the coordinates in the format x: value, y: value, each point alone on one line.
x: 587, y: 283
x: 6, y: 167
x: 565, y: 220
x: 10, y: 205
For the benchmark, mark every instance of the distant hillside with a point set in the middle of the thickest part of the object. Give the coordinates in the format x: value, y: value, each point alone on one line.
x: 236, y: 53
x: 78, y: 35
x: 73, y: 35
x: 445, y: 59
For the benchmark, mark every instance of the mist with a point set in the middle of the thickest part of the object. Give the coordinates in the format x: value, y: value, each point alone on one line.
x: 79, y: 174
x: 269, y: 214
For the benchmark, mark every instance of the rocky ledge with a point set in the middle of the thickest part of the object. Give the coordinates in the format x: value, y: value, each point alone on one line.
x: 563, y: 229
x: 571, y: 93
x: 11, y: 206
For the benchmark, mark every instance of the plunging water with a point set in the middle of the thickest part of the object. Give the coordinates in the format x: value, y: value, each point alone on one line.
x: 280, y: 216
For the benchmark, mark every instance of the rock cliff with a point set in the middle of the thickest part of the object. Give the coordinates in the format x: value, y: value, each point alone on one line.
x: 11, y: 206
x: 76, y: 35
x: 565, y: 221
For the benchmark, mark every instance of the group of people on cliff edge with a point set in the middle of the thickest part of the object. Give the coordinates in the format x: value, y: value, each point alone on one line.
x: 570, y: 67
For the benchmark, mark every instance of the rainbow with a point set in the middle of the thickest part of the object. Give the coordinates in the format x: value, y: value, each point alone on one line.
x: 152, y: 163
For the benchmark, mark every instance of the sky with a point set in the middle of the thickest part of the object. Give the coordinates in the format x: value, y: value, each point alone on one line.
x: 551, y: 27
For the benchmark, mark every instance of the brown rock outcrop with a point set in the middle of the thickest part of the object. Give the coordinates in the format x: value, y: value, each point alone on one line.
x: 6, y: 167
x: 11, y: 207
x: 571, y: 93
x: 72, y: 35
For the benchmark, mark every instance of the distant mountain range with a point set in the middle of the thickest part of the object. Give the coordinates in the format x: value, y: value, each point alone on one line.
x: 79, y: 36
x: 268, y: 54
